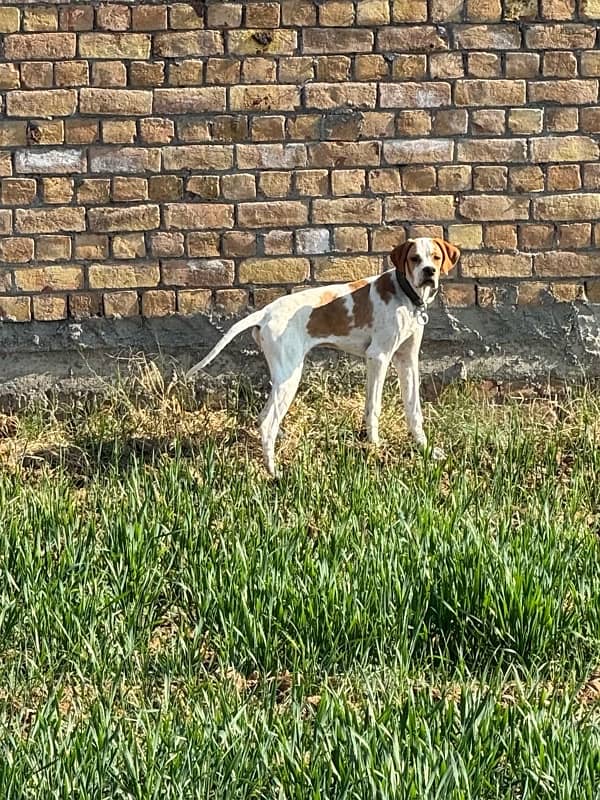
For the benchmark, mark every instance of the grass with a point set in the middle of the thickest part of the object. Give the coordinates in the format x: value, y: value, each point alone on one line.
x: 175, y: 624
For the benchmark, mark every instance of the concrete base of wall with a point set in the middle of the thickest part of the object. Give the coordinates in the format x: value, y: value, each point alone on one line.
x: 528, y: 345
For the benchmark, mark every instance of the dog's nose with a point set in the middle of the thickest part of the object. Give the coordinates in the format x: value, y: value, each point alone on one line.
x: 429, y: 272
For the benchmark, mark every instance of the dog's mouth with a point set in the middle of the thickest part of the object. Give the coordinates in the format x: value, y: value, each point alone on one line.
x: 428, y: 282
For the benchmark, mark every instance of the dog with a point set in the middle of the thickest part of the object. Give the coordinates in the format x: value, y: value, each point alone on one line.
x: 380, y: 318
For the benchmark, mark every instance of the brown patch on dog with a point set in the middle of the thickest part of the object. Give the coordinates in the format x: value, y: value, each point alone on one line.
x: 399, y: 255
x: 385, y: 287
x: 450, y: 254
x: 330, y: 317
x: 362, y: 308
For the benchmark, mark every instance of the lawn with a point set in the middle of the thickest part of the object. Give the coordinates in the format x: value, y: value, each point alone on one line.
x: 175, y: 624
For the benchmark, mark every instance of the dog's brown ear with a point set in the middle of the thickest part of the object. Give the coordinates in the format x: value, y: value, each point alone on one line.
x: 399, y: 255
x: 451, y: 254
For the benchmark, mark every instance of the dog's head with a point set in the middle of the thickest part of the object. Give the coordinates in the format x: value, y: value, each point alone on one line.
x: 423, y: 260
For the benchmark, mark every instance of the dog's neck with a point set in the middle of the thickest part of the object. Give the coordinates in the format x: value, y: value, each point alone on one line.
x: 420, y: 297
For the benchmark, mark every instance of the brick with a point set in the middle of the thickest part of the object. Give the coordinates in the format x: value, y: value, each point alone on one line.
x: 51, y: 103
x: 298, y: 12
x: 204, y: 244
x: 5, y: 221
x: 224, y: 15
x: 194, y: 301
x: 15, y: 309
x: 526, y: 179
x: 149, y: 18
x: 278, y: 243
x: 71, y: 73
x: 296, y: 70
x: 574, y: 236
x: 109, y: 74
x: 271, y: 156
x: 370, y: 68
x: 189, y: 43
x: 158, y: 303
x: 17, y: 191
x: 312, y: 241
x: 490, y: 179
x: 13, y: 133
x: 5, y: 165
x: 49, y: 220
x: 184, y: 16
x: 198, y: 272
x: 500, y: 237
x: 156, y: 130
x: 165, y: 188
x: 591, y: 176
x: 446, y: 65
x: 346, y: 210
x: 336, y: 12
x: 560, y: 37
x: 183, y: 216
x: 90, y: 246
x: 345, y: 268
x: 264, y: 98
x: 113, y: 17
x: 274, y: 270
x: 337, y: 40
x: 145, y: 74
x: 489, y: 93
x: 205, y: 186
x: 9, y: 76
x: 93, y: 191
x: 565, y: 264
x: 16, y: 250
x: 351, y: 240
x: 418, y: 151
x: 312, y: 182
x: 78, y: 131
x: 560, y: 65
x: 488, y: 37
x: 525, y: 120
x: 521, y: 9
x: 124, y: 159
x: 198, y: 156
x: 494, y: 207
x: 135, y: 218
x: 385, y: 181
x: 492, y: 150
x: 488, y: 121
x: 567, y: 207
x: 114, y: 45
x: 558, y: 9
x: 85, y: 305
x: 419, y: 179
x: 484, y: 65
x: 563, y: 177
x: 37, y: 75
x: 52, y: 248
x: 564, y: 148
x: 467, y: 237
x: 409, y: 11
x: 373, y: 12
x: 522, y: 65
x: 484, y: 10
x: 166, y: 244
x: 267, y: 215
x: 50, y: 161
x: 76, y: 18
x: 409, y: 66
x: 564, y: 92
x: 39, y: 46
x: 238, y: 187
x: 419, y: 209
x: 222, y: 70
x: 259, y: 70
x: 458, y: 295
x: 427, y: 38
x: 341, y: 154
x: 188, y: 101
x: 263, y: 15
x: 536, y: 237
x: 348, y: 181
x: 123, y: 276
x: 118, y: 131
x: 488, y: 265
x: 239, y: 243
x: 49, y: 308
x: 10, y: 19
x: 415, y: 95
x: 265, y: 129
x: 57, y: 190
x: 129, y: 245
x: 263, y: 296
x: 347, y: 95
x: 275, y: 184
x: 129, y: 189
x: 115, y: 101
x: 49, y: 279
x: 231, y: 301
x: 121, y: 304
x: 257, y: 42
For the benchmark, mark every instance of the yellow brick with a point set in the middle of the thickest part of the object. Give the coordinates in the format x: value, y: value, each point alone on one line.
x: 10, y: 19
x: 274, y: 270
x: 339, y: 268
x: 49, y: 279
x: 49, y: 308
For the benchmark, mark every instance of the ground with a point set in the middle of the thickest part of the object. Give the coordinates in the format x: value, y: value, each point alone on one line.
x: 174, y: 623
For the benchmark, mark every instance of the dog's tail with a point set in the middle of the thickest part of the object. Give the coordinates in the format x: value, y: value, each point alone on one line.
x: 248, y: 322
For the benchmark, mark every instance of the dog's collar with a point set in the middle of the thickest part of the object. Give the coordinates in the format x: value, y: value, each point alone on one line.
x: 415, y: 299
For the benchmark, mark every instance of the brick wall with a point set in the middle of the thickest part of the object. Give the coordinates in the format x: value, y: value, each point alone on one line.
x: 159, y: 158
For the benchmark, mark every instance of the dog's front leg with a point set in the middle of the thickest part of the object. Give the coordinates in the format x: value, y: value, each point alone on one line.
x: 376, y: 371
x: 406, y: 362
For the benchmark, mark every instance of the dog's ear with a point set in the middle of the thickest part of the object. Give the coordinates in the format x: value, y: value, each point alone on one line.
x: 451, y: 254
x: 399, y: 254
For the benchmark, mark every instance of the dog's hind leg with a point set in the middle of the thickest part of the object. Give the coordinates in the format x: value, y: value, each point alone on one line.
x: 376, y: 372
x: 285, y: 378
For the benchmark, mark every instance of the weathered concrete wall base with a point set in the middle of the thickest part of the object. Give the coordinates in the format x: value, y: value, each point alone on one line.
x: 524, y: 345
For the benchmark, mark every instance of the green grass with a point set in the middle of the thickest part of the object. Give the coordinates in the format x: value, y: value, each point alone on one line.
x: 175, y: 624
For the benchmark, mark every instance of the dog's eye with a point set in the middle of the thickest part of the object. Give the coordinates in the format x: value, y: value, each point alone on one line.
x: 415, y: 259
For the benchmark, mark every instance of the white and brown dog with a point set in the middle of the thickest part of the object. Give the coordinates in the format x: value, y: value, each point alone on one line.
x: 380, y: 318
